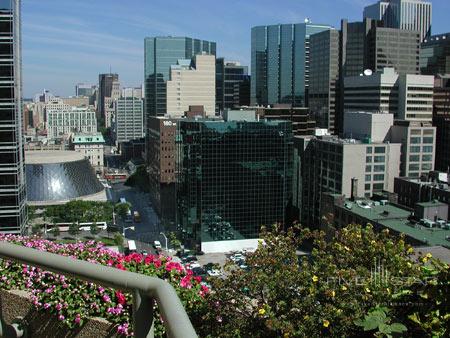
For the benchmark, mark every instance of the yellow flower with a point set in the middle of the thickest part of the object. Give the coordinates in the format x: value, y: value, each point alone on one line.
x: 367, y: 290
x: 333, y: 293
x: 425, y: 259
x: 410, y: 250
x: 408, y: 264
x: 347, y: 248
x: 261, y: 312
x: 388, y: 291
x: 326, y: 323
x: 286, y: 335
x: 428, y: 255
x: 315, y: 278
x: 343, y: 288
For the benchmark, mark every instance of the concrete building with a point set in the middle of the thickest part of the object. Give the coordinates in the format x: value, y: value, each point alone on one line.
x: 129, y: 119
x: 225, y: 195
x: 324, y: 78
x: 192, y: 83
x: 404, y: 14
x: 135, y: 92
x: 13, y: 212
x: 384, y: 215
x: 107, y: 92
x: 411, y: 191
x: 68, y: 121
x: 435, y: 55
x: 162, y: 167
x: 85, y: 89
x: 302, y: 122
x: 232, y: 85
x: 76, y: 101
x: 418, y: 146
x: 92, y: 147
x: 370, y: 45
x: 408, y: 97
x: 109, y: 108
x: 159, y: 54
x: 280, y: 63
x: 441, y: 120
x: 345, y: 167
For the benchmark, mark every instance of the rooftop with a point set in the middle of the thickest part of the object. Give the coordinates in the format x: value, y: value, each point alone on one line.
x: 88, y: 138
x: 396, y: 218
x: 53, y: 156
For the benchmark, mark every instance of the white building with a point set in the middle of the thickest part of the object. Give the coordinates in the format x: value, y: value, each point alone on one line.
x: 192, y: 83
x: 404, y: 14
x: 408, y: 97
x: 132, y: 92
x: 129, y: 119
x: 92, y: 147
x: 69, y: 121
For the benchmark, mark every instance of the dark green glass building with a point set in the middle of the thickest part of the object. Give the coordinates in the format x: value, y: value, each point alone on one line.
x: 234, y: 177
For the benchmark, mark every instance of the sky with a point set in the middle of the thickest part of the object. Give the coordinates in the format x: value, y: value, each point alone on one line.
x: 65, y: 42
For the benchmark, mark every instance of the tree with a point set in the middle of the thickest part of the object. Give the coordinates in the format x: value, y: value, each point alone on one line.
x: 74, y: 229
x: 122, y: 209
x: 174, y: 241
x: 94, y: 229
x: 55, y: 230
x: 36, y: 229
x: 118, y: 239
x: 333, y: 292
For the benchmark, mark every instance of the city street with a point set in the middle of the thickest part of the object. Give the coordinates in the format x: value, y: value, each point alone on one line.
x: 146, y: 231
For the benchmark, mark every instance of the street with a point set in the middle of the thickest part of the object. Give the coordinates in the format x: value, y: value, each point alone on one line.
x: 148, y: 230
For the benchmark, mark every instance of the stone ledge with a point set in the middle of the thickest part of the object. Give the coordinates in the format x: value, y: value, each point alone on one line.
x: 42, y: 324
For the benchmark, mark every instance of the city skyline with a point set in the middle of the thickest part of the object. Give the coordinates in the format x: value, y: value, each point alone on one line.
x: 78, y: 44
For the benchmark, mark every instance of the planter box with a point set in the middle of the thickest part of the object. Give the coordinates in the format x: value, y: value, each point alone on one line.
x: 41, y: 324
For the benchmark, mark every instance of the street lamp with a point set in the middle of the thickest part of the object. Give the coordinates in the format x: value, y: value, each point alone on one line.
x: 123, y: 230
x: 162, y: 233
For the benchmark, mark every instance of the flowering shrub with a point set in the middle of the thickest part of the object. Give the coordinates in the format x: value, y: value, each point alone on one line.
x: 72, y: 300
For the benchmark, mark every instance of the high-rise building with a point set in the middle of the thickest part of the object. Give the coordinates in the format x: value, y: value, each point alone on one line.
x: 159, y: 54
x: 13, y: 213
x: 128, y: 119
x: 64, y: 122
x: 234, y: 177
x: 324, y: 78
x: 106, y: 88
x: 192, y: 82
x: 435, y: 55
x: 404, y: 14
x: 132, y: 92
x: 232, y: 85
x: 280, y: 63
x: 441, y: 120
x: 369, y: 45
x: 407, y: 96
x: 85, y: 89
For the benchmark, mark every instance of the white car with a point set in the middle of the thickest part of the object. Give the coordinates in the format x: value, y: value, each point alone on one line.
x: 237, y: 257
x: 157, y: 245
x: 194, y: 265
x: 214, y: 273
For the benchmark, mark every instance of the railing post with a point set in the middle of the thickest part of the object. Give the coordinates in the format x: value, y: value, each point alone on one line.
x: 143, y: 323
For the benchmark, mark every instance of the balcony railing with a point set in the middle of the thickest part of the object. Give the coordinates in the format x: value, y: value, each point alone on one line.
x: 145, y: 290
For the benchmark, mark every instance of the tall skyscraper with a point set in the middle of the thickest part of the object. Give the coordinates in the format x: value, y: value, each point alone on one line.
x: 280, y: 63
x: 105, y: 90
x: 324, y: 78
x: 129, y: 119
x: 13, y: 214
x: 159, y: 54
x: 231, y: 80
x: 435, y: 55
x: 192, y: 82
x: 404, y: 14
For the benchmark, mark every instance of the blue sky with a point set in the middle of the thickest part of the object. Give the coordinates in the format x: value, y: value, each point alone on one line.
x: 71, y: 41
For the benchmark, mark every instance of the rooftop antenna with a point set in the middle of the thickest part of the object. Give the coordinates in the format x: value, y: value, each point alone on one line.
x: 110, y: 69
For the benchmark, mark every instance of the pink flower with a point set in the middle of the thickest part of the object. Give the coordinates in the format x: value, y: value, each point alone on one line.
x: 61, y: 317
x: 58, y: 306
x: 174, y: 266
x: 121, y: 298
x: 106, y: 298
x: 120, y: 266
x: 77, y: 319
x: 186, y: 282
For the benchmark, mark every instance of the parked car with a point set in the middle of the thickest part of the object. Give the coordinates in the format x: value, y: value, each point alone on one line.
x: 157, y: 245
x: 214, y: 273
x: 237, y: 257
x: 199, y: 271
x: 189, y: 258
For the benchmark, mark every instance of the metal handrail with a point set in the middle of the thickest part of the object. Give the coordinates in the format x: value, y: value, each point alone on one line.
x: 145, y: 289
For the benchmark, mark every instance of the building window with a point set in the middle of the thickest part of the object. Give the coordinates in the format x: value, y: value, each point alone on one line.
x: 427, y: 158
x: 414, y: 149
x: 369, y: 150
x: 378, y: 186
x: 367, y: 186
x: 368, y: 178
x: 427, y: 149
x: 426, y: 166
x: 428, y: 140
x: 414, y: 158
x: 379, y: 177
x: 380, y: 150
x: 368, y: 159
x: 379, y: 159
x: 414, y: 166
x: 368, y: 168
x: 415, y: 140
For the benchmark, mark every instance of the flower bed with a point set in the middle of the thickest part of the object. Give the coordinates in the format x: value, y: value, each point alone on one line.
x: 73, y: 301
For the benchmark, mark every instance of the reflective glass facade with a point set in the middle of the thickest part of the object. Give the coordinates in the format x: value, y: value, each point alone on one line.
x: 280, y: 63
x: 234, y: 177
x: 48, y: 182
x: 13, y: 214
x: 159, y: 54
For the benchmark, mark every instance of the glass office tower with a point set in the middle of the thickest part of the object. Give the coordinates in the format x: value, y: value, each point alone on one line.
x: 159, y: 54
x: 13, y: 215
x: 234, y: 177
x: 280, y: 63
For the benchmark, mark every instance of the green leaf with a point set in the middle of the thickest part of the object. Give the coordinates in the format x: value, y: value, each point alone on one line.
x: 398, y: 327
x: 415, y: 318
x: 384, y: 328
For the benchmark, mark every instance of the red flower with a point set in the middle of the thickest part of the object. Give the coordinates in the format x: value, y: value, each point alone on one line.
x: 186, y: 282
x: 121, y: 298
x: 198, y: 279
x: 120, y: 266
